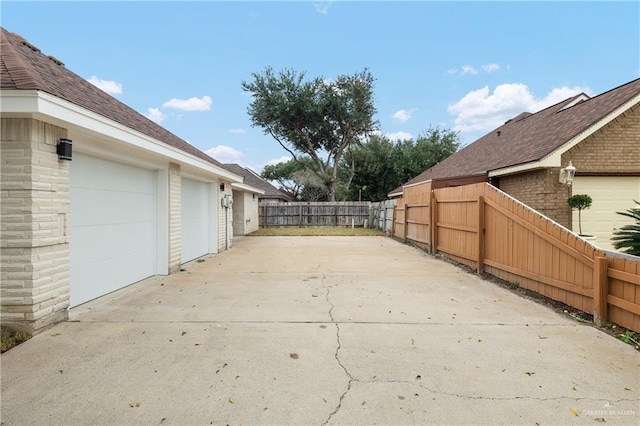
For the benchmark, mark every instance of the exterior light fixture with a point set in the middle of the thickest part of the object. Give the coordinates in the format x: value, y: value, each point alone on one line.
x: 222, y: 187
x: 567, y: 174
x: 63, y: 149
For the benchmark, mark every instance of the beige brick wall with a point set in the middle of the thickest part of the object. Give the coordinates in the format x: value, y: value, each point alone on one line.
x: 34, y: 225
x: 614, y: 149
x: 245, y: 212
x: 175, y: 218
x: 225, y: 219
x: 541, y: 191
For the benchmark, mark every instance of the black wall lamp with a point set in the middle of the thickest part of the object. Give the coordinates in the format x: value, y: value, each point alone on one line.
x: 222, y: 187
x: 63, y: 149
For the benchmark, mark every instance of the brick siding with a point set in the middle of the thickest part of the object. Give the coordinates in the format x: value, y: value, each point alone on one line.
x: 175, y: 218
x: 34, y: 231
x: 614, y: 149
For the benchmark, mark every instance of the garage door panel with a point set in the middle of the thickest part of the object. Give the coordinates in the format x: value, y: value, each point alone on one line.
x: 196, y: 219
x: 99, y: 174
x: 130, y: 238
x: 98, y: 277
x: 113, y: 226
x: 610, y: 194
x: 102, y: 207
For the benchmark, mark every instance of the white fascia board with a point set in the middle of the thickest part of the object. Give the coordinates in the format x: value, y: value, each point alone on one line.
x: 43, y: 104
x: 248, y: 188
x: 554, y: 159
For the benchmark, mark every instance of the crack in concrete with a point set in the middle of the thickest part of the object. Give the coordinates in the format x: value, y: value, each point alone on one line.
x: 512, y: 398
x: 336, y: 355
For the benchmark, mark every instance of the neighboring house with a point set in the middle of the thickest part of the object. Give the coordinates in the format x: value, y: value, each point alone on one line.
x: 271, y: 193
x: 245, y: 204
x: 600, y: 136
x: 134, y: 201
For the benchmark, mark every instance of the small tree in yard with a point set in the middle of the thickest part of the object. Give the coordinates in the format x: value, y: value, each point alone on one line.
x: 580, y: 202
x: 628, y: 236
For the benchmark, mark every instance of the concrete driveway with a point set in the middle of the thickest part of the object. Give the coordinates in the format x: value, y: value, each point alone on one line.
x: 314, y: 331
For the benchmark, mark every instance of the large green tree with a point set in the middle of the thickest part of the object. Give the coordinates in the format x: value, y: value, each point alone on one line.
x: 380, y: 165
x: 318, y: 118
x: 297, y: 179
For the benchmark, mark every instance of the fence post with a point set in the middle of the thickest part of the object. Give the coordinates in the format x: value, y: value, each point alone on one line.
x: 265, y: 222
x: 406, y: 222
x: 480, y: 234
x: 393, y: 221
x: 600, y: 289
x: 434, y: 223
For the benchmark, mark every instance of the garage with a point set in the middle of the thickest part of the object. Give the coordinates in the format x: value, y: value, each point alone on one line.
x: 610, y: 194
x: 197, y: 219
x: 113, y: 226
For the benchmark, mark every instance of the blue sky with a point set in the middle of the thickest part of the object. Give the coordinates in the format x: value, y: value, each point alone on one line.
x: 465, y: 66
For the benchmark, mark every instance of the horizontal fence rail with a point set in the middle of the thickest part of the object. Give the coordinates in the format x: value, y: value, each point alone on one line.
x: 314, y: 214
x: 484, y: 228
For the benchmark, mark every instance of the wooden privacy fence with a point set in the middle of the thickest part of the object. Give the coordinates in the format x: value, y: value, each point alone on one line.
x: 381, y: 215
x: 313, y: 214
x: 482, y: 227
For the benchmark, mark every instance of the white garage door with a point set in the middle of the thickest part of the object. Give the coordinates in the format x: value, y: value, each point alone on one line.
x: 610, y: 194
x: 196, y: 219
x: 113, y: 226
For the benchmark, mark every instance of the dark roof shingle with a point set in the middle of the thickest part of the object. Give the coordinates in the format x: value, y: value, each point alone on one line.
x: 252, y: 179
x: 531, y: 137
x: 24, y: 67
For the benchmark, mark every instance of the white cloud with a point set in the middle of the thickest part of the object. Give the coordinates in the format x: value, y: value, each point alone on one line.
x: 275, y: 161
x: 403, y: 115
x: 237, y: 131
x: 481, y: 110
x: 398, y: 136
x: 111, y: 87
x: 191, y: 104
x: 468, y: 69
x: 225, y: 154
x: 154, y: 114
x: 323, y: 7
x: 489, y: 68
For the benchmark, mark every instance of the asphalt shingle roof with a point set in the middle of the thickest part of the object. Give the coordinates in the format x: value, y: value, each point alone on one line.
x: 24, y: 67
x: 531, y: 137
x: 252, y: 179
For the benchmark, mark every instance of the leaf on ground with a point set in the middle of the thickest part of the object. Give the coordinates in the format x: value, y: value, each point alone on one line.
x: 600, y: 419
x: 529, y: 373
x: 542, y: 337
x: 574, y: 412
x: 237, y: 377
x: 325, y: 401
x: 55, y: 335
x: 183, y: 333
x: 418, y: 377
x: 445, y: 368
x: 162, y: 420
x: 230, y: 401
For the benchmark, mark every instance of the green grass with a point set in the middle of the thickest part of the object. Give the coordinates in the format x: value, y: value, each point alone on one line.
x: 315, y: 232
x: 9, y: 338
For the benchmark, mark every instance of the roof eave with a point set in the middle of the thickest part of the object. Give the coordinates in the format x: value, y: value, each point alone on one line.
x: 43, y: 105
x: 554, y: 158
x: 248, y: 188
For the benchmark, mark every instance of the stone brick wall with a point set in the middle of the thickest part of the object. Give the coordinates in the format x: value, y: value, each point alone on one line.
x: 614, y: 149
x: 175, y: 218
x: 34, y: 230
x: 540, y: 190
